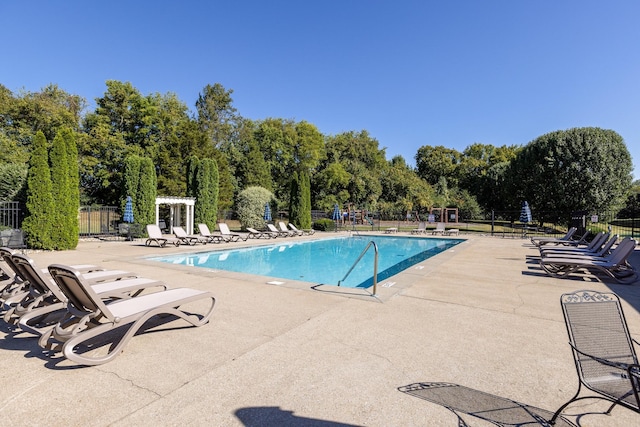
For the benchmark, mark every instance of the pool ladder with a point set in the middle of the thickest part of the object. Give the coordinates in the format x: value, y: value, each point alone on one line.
x: 375, y: 265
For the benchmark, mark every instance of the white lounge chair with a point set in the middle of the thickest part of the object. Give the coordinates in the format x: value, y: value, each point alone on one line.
x: 306, y: 232
x: 226, y: 233
x: 187, y: 239
x: 255, y: 234
x: 91, y: 318
x: 422, y: 228
x: 440, y: 229
x: 284, y: 229
x: 156, y: 236
x: 275, y: 232
x: 44, y: 300
x: 206, y: 234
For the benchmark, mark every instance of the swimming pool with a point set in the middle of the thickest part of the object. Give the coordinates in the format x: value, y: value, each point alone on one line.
x: 324, y: 261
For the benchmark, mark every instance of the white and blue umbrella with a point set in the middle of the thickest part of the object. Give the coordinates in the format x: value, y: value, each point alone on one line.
x: 525, y: 213
x: 336, y: 213
x: 267, y: 212
x: 128, y: 211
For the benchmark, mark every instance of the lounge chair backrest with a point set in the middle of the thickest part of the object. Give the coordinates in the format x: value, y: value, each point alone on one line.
x: 4, y: 251
x: 620, y: 254
x: 597, y: 327
x: 570, y: 233
x: 272, y: 228
x: 40, y: 283
x: 179, y: 232
x: 598, y: 240
x: 80, y: 294
x: 224, y: 228
x: 204, y: 229
x: 6, y: 255
x: 154, y: 231
x: 253, y: 230
x: 283, y: 227
x: 608, y: 245
x: 440, y: 226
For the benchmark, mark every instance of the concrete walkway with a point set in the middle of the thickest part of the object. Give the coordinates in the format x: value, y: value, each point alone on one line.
x: 477, y: 318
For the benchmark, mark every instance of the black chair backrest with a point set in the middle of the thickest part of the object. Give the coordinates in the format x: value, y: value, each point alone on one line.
x: 597, y: 326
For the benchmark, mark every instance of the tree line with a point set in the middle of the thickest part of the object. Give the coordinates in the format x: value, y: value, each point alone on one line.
x: 564, y: 170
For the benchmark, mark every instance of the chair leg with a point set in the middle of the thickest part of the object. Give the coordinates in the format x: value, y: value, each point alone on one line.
x: 553, y: 419
x: 611, y: 408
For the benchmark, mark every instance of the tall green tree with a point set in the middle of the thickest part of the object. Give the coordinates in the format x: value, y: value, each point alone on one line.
x: 192, y: 175
x: 571, y: 170
x: 225, y: 181
x: 73, y: 232
x: 64, y: 234
x: 222, y: 128
x: 403, y: 190
x: 126, y: 123
x: 305, y: 201
x: 295, y: 205
x: 140, y: 183
x: 359, y: 155
x: 216, y: 115
x: 131, y: 179
x: 254, y: 170
x: 145, y: 201
x: 38, y: 223
x: 206, y: 192
x: 432, y: 163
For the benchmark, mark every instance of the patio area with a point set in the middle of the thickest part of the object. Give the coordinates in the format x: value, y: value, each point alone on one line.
x: 476, y: 319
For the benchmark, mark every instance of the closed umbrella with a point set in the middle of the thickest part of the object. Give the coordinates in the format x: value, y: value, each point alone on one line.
x: 525, y: 213
x: 128, y: 211
x: 525, y: 217
x: 336, y: 213
x: 267, y: 212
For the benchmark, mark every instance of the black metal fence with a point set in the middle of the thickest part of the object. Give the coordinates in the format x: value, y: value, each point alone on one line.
x: 99, y: 221
x: 103, y: 221
x: 498, y: 223
x: 11, y: 215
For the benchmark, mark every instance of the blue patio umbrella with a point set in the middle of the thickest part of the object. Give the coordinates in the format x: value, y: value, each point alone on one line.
x: 525, y: 213
x: 267, y: 212
x: 128, y: 211
x: 336, y: 213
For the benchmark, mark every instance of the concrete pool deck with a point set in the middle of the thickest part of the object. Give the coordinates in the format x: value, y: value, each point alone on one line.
x: 477, y: 317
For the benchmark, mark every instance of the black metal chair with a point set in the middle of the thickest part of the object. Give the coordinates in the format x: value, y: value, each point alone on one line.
x: 603, y: 350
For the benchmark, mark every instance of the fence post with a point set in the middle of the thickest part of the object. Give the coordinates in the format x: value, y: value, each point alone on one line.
x: 493, y: 216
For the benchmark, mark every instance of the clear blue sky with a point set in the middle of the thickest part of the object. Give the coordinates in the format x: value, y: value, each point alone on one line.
x: 412, y: 73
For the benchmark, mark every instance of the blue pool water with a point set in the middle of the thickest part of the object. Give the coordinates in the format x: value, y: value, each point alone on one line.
x: 323, y: 261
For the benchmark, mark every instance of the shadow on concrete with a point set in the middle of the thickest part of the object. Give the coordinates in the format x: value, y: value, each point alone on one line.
x: 497, y: 410
x: 275, y: 416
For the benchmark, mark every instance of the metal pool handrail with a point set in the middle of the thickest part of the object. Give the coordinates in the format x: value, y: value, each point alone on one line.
x: 375, y: 265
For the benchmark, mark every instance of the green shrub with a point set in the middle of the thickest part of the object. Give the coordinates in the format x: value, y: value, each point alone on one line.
x: 250, y: 206
x: 324, y: 224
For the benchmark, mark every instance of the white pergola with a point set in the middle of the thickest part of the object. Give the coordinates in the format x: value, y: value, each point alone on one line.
x: 176, y: 205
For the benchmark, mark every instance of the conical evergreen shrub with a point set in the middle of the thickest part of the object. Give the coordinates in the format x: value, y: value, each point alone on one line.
x: 38, y: 223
